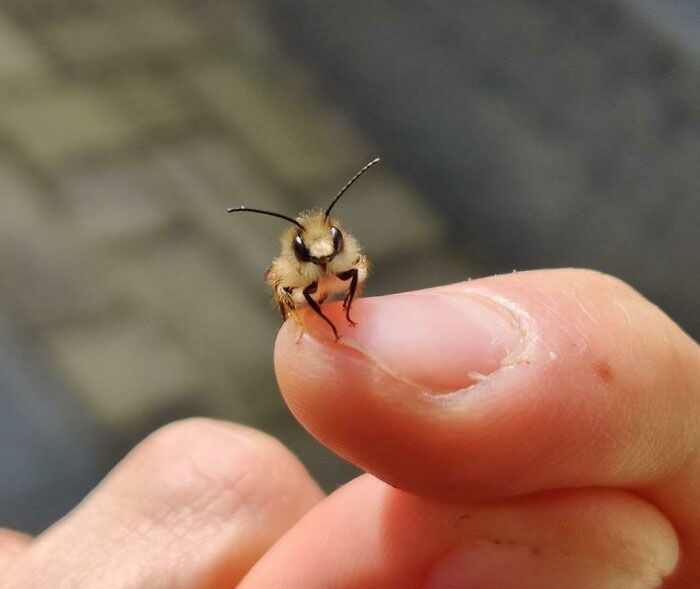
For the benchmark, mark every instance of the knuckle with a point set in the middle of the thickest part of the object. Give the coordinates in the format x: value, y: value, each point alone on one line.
x: 168, y: 442
x: 197, y: 457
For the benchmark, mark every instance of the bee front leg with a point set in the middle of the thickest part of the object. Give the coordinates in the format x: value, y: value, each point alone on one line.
x: 285, y: 300
x: 352, y: 276
x: 308, y: 291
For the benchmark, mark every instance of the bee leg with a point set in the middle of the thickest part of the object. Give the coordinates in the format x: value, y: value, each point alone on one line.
x: 283, y: 310
x: 350, y: 275
x: 285, y: 301
x: 308, y: 291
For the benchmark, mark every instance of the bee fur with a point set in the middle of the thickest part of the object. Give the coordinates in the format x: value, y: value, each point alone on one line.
x: 319, y: 258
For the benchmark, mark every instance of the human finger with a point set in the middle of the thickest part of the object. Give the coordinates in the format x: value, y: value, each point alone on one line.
x: 371, y: 535
x: 194, y: 505
x: 509, y: 385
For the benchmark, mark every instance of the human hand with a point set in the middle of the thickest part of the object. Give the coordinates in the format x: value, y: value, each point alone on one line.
x: 572, y: 462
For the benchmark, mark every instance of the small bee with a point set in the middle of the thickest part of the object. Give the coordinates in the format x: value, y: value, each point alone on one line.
x: 317, y: 260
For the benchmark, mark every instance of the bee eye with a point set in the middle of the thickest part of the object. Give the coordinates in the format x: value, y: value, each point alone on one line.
x: 302, y: 253
x: 337, y: 239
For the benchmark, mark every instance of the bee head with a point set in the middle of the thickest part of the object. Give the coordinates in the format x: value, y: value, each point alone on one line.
x: 318, y: 238
x: 319, y: 241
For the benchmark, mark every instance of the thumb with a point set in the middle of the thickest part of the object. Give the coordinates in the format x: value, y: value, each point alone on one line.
x: 507, y: 386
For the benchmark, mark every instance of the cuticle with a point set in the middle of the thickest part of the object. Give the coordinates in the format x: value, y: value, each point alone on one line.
x: 518, y: 318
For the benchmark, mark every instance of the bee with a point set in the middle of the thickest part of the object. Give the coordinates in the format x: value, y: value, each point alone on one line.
x: 318, y: 259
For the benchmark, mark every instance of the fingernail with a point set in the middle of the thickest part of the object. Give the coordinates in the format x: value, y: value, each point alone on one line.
x: 496, y: 565
x: 441, y: 341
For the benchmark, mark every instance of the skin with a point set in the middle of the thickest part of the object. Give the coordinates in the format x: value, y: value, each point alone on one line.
x: 537, y: 429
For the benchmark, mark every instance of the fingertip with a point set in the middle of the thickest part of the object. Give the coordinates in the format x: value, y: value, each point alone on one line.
x: 392, y: 412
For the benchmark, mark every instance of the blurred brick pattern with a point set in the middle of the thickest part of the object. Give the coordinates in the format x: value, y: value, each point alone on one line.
x: 126, y: 128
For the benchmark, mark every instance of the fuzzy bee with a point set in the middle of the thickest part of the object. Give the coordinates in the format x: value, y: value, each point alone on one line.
x: 318, y: 259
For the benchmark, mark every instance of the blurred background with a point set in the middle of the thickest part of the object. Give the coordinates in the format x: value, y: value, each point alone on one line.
x: 516, y: 134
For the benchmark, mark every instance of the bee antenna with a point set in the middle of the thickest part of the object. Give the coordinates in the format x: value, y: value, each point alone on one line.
x: 366, y: 167
x: 263, y: 212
